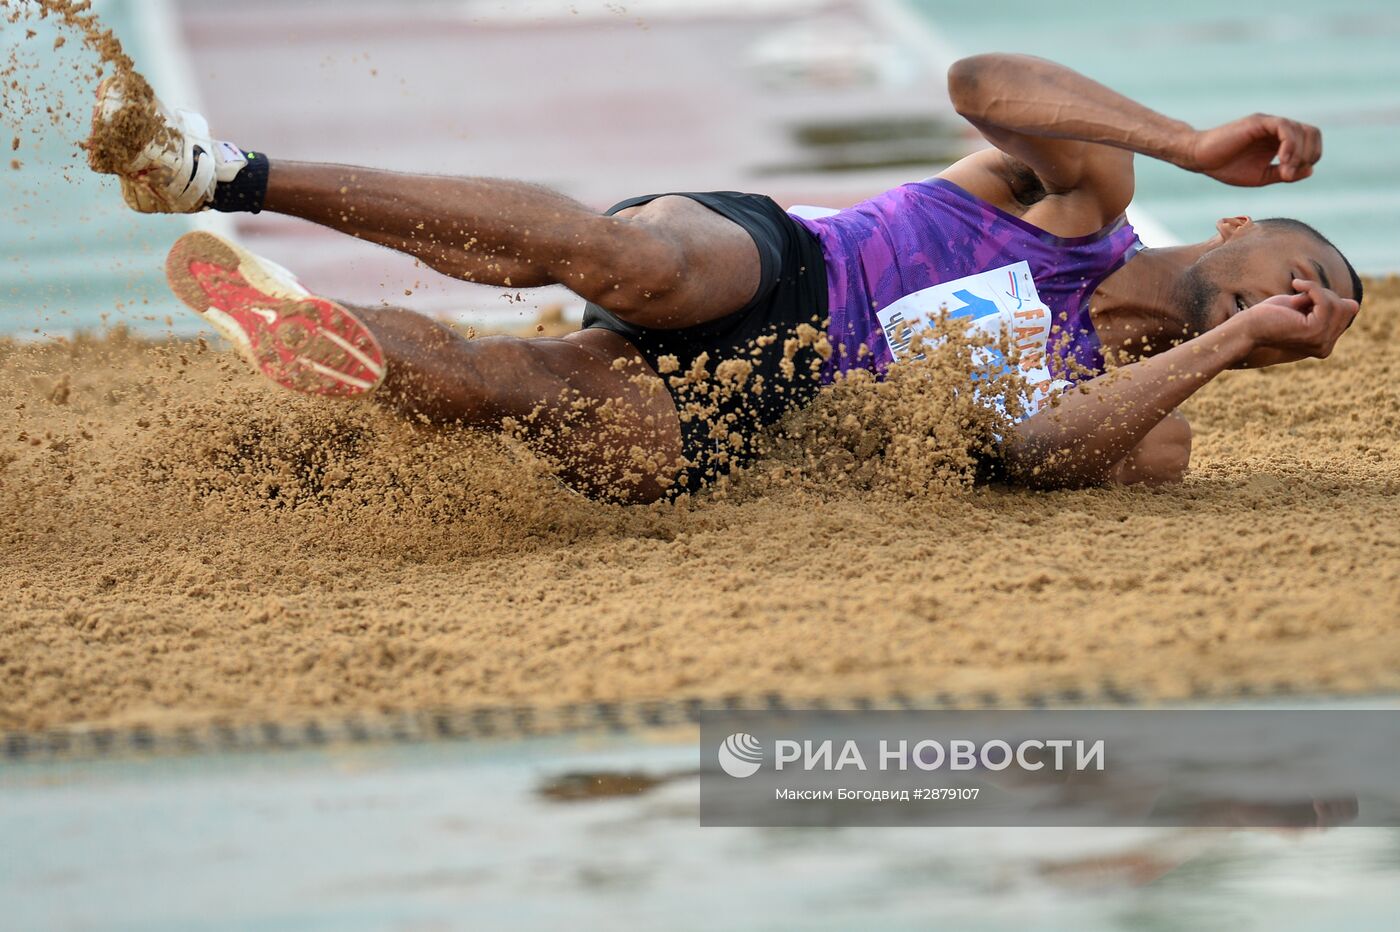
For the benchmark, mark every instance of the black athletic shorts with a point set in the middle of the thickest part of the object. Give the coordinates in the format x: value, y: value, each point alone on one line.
x: 721, y: 430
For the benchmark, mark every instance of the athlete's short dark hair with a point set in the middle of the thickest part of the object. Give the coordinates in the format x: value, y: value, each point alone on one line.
x: 1298, y: 226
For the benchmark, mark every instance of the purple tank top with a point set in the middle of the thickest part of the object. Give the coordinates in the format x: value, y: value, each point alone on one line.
x: 921, y: 247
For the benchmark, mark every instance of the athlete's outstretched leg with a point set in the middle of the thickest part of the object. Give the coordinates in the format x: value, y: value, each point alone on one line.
x: 669, y: 263
x: 588, y: 401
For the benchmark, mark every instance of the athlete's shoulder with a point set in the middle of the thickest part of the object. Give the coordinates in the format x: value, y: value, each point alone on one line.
x: 1013, y: 186
x: 997, y: 178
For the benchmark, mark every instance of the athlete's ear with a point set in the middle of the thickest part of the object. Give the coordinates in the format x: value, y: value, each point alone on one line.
x: 1229, y: 226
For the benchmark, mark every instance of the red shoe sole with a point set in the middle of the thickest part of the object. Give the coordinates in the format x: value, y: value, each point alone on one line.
x: 302, y: 342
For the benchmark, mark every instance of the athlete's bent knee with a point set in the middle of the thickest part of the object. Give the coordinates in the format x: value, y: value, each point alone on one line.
x: 639, y: 276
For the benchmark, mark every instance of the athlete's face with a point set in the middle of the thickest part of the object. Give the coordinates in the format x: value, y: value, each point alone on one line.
x: 1250, y: 263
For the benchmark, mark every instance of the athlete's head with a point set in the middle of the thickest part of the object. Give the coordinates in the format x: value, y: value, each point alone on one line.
x: 1250, y: 260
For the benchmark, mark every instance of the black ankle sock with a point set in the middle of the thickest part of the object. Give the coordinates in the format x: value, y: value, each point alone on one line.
x: 246, y: 191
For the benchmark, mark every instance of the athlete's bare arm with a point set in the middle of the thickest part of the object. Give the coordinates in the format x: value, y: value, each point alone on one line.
x: 1096, y: 426
x: 1079, y: 138
x: 1072, y: 141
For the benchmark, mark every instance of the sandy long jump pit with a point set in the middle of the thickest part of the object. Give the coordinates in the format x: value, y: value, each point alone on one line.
x: 184, y: 543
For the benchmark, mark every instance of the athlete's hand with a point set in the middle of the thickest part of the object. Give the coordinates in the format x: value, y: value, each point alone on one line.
x: 1296, y: 326
x: 1254, y: 151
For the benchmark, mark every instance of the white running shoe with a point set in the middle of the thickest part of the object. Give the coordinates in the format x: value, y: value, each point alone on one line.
x: 177, y: 171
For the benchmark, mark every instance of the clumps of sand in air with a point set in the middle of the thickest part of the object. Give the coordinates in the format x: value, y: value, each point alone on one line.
x: 719, y: 400
x: 120, y: 137
x: 924, y: 429
x: 373, y: 482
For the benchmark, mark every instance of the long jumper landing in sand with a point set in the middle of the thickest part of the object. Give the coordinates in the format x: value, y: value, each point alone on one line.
x: 712, y: 315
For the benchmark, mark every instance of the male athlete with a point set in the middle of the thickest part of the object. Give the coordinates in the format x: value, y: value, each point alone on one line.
x: 1029, y: 235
